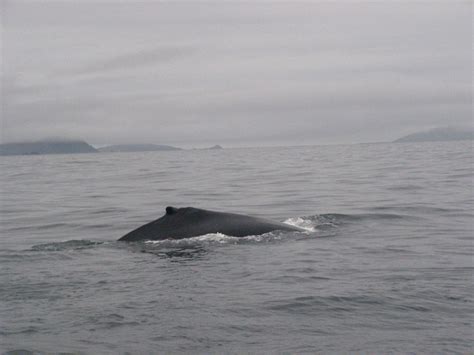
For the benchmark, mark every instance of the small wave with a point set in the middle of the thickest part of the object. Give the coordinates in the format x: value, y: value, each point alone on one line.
x: 406, y: 187
x: 22, y: 352
x: 107, y: 210
x: 42, y: 227
x: 25, y: 330
x: 67, y: 245
x: 109, y: 321
x: 333, y: 303
x: 338, y: 218
x: 416, y: 209
x: 302, y: 222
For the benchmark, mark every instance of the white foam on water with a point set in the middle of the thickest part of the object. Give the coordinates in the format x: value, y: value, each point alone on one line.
x: 302, y: 223
x: 215, y: 237
x: 210, y: 237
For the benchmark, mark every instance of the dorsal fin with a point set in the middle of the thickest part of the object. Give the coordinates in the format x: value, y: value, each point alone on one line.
x: 171, y: 210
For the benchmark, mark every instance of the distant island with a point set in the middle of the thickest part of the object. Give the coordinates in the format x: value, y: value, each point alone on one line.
x: 46, y: 147
x: 136, y: 148
x: 59, y: 146
x: 439, y: 134
x: 214, y: 147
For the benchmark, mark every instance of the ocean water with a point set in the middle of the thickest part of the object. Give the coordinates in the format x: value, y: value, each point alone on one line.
x: 385, y: 265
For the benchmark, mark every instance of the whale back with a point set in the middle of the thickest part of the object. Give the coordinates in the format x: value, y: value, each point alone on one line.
x: 188, y: 222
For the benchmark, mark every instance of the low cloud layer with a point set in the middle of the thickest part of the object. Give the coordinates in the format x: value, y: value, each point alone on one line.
x: 195, y: 74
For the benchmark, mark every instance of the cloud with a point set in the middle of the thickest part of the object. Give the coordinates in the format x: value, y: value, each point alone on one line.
x: 139, y: 59
x: 197, y: 73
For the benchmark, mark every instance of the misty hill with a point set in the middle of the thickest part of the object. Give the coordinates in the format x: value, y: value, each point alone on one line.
x: 214, y: 147
x: 136, y: 148
x: 439, y: 134
x: 46, y: 147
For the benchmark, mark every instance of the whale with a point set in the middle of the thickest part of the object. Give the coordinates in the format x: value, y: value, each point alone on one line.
x: 187, y: 222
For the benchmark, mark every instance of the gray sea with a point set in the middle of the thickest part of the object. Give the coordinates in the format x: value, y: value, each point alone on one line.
x: 386, y: 264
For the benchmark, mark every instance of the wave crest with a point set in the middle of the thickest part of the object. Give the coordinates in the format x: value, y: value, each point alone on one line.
x: 67, y: 245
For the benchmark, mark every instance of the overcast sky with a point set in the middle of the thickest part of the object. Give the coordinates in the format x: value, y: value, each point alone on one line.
x: 235, y: 74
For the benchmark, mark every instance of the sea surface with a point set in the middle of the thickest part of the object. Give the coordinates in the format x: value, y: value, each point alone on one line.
x: 385, y: 266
